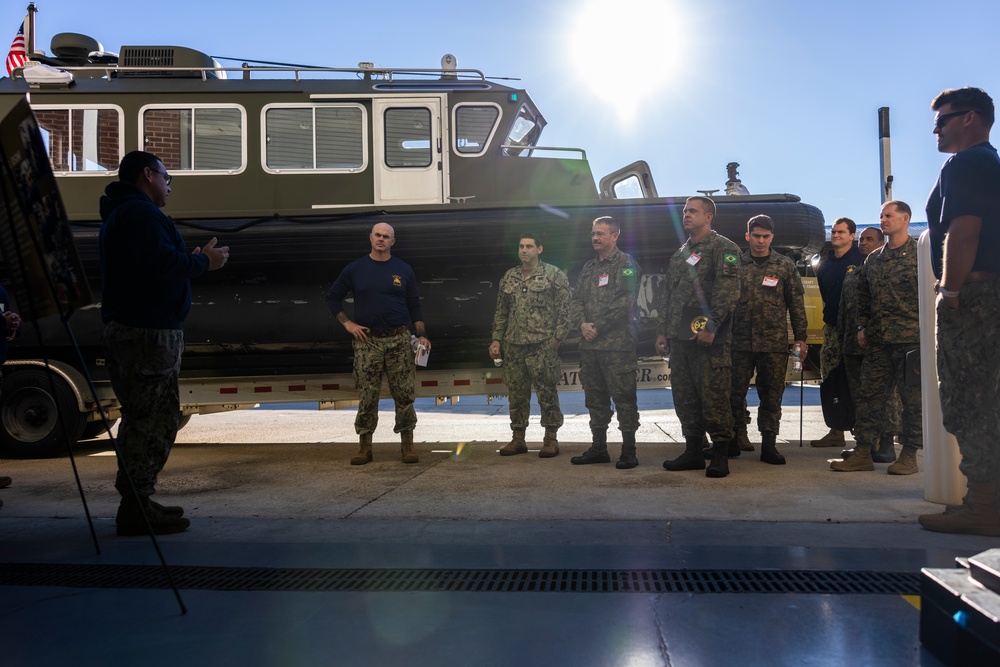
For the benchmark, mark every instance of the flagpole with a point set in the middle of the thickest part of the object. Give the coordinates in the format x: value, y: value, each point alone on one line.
x: 29, y: 22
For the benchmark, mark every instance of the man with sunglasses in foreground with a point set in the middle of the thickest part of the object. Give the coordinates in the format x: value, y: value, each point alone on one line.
x: 963, y: 214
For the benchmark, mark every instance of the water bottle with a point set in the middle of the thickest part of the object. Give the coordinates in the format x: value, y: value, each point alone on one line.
x: 414, y: 343
x: 797, y: 358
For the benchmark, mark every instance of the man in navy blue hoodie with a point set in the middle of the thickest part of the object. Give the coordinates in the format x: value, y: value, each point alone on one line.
x: 146, y: 274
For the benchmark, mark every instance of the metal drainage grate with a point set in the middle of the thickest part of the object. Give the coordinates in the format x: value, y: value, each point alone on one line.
x: 475, y: 581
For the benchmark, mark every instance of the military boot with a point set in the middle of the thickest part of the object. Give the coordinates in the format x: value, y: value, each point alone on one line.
x: 977, y: 515
x: 743, y: 439
x: 691, y: 459
x: 768, y: 450
x: 906, y: 464
x: 129, y: 520
x: 550, y: 445
x: 627, y: 460
x: 516, y: 444
x: 406, y: 447
x: 168, y: 510
x: 831, y: 439
x: 364, y: 454
x: 732, y: 452
x: 860, y: 459
x: 598, y: 452
x: 719, y: 467
x: 886, y: 449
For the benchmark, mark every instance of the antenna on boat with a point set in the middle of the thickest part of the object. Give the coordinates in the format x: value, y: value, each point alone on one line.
x: 734, y: 186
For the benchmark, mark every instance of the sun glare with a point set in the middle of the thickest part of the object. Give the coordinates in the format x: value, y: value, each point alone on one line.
x: 626, y: 52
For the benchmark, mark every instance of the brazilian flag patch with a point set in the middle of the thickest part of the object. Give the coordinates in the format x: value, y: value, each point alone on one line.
x: 730, y: 258
x: 628, y: 272
x: 628, y: 278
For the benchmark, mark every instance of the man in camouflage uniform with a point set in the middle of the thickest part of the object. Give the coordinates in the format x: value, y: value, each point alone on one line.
x: 853, y: 354
x: 841, y: 260
x: 888, y: 329
x: 386, y: 301
x: 604, y: 307
x: 531, y: 319
x: 771, y: 287
x: 701, y: 288
x: 963, y: 212
x: 146, y: 276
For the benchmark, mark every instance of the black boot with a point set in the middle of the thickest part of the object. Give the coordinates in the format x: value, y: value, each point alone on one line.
x: 129, y: 520
x: 719, y: 467
x: 733, y: 451
x: 627, y: 460
x: 886, y: 449
x: 691, y: 459
x: 598, y: 452
x: 768, y: 451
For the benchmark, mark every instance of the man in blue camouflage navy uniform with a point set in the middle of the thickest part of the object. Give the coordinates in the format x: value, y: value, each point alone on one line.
x: 386, y: 301
x: 888, y: 329
x: 531, y: 320
x: 604, y: 308
x: 771, y: 287
x: 701, y: 288
x: 963, y: 212
x: 146, y: 275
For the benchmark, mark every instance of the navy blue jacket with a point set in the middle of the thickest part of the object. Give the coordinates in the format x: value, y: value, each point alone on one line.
x: 145, y: 269
x: 830, y: 276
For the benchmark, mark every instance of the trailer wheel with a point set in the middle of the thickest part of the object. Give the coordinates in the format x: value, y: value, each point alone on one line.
x: 182, y: 421
x: 31, y: 409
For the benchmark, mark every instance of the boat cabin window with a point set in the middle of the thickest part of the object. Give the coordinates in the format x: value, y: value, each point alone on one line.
x: 314, y: 138
x: 474, y: 127
x: 196, y: 138
x: 81, y: 140
x: 408, y: 137
x: 523, y: 133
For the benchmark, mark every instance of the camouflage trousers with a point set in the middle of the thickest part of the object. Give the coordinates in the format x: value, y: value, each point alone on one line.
x: 527, y: 366
x: 830, y: 355
x: 701, y: 389
x: 852, y: 364
x: 393, y: 357
x: 144, y: 365
x: 770, y: 368
x: 610, y: 375
x: 882, y: 376
x: 968, y: 361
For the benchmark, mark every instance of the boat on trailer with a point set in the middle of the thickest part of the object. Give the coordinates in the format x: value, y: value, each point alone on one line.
x: 291, y: 166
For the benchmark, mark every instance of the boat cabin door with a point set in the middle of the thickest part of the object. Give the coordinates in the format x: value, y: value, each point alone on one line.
x: 409, y: 159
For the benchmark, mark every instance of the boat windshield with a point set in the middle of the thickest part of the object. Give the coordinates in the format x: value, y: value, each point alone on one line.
x: 524, y: 132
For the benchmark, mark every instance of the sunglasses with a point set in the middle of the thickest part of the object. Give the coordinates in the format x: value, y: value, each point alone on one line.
x: 941, y: 121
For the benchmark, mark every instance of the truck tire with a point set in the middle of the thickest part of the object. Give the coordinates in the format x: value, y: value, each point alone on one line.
x: 31, y: 408
x: 182, y: 421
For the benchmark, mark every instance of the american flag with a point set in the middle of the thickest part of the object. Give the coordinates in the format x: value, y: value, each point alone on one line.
x: 18, y: 55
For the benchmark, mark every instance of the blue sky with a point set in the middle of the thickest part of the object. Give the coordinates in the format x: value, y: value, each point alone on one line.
x: 788, y: 88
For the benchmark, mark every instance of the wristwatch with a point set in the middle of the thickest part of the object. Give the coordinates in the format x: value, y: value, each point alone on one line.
x: 860, y: 327
x: 947, y: 293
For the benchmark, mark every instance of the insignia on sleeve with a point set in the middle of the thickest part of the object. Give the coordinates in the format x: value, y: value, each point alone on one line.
x: 628, y: 272
x: 730, y: 258
x: 396, y: 281
x: 850, y: 269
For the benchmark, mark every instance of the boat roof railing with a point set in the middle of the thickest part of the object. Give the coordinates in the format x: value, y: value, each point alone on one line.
x: 450, y: 76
